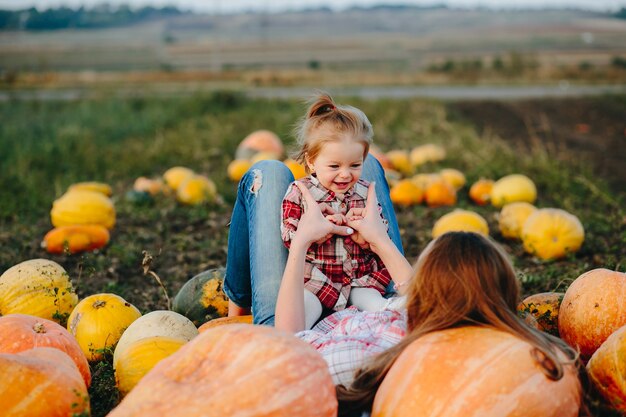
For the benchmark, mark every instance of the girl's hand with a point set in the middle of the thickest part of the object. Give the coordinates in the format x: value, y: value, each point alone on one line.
x: 337, y: 218
x: 369, y: 226
x: 313, y: 226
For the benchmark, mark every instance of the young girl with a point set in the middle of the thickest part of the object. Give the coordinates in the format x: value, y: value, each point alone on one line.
x: 339, y: 270
x: 460, y: 279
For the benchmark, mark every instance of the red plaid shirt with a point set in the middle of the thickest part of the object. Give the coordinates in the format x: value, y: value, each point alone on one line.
x: 334, y: 266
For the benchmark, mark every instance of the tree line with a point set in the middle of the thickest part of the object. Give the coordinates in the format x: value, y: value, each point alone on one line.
x: 65, y: 18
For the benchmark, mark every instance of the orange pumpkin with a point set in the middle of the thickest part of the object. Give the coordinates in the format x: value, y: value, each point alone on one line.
x: 440, y: 193
x: 380, y: 156
x: 544, y: 307
x: 25, y: 332
x: 607, y: 369
x: 41, y: 382
x: 592, y: 309
x: 259, y: 141
x: 472, y: 372
x: 78, y: 238
x: 406, y: 193
x: 247, y: 319
x: 243, y: 370
x: 480, y: 191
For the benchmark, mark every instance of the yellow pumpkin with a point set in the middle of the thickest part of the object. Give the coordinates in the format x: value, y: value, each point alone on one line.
x: 98, y: 187
x: 607, y: 369
x: 474, y: 372
x: 424, y: 180
x: 149, y: 185
x: 259, y: 141
x: 196, y: 189
x: 551, y: 233
x: 460, y: 221
x: 139, y: 357
x: 175, y: 176
x: 264, y: 156
x: 427, y: 153
x: 237, y: 168
x: 380, y: 156
x: 454, y: 177
x: 296, y: 168
x: 480, y: 191
x: 98, y: 322
x: 156, y: 323
x: 512, y: 188
x: 83, y: 207
x: 406, y: 193
x: 544, y: 307
x: 38, y: 287
x: 512, y: 218
x: 400, y: 161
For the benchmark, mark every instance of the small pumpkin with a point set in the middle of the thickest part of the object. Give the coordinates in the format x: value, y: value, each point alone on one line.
x: 202, y: 298
x: 296, y: 168
x: 243, y: 370
x: 454, y: 177
x: 512, y: 218
x: 471, y: 372
x: 400, y: 161
x: 551, y: 233
x: 592, y: 309
x: 380, y: 156
x: 139, y: 198
x: 99, y: 187
x: 156, y: 323
x: 480, y: 191
x: 544, y: 307
x: 427, y: 153
x: 175, y: 176
x: 406, y: 193
x: 98, y: 322
x: 41, y: 382
x: 139, y: 357
x: 222, y: 321
x: 607, y: 369
x: 264, y: 156
x: 512, y: 188
x: 83, y: 207
x: 196, y: 189
x: 152, y: 186
x: 440, y: 193
x: 259, y: 141
x: 423, y: 180
x: 22, y: 332
x: 237, y: 168
x: 460, y: 221
x: 38, y: 287
x: 76, y: 238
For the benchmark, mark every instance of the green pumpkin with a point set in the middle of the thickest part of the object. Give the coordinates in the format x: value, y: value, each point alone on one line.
x: 202, y: 298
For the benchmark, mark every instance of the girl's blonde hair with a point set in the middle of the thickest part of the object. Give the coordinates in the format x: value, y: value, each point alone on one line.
x: 460, y: 279
x: 325, y: 122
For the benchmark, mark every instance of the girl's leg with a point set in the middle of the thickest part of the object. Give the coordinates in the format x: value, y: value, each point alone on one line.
x: 256, y: 254
x: 367, y: 299
x: 312, y: 309
x: 373, y: 171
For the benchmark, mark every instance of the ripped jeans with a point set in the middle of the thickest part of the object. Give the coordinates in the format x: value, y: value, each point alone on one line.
x: 256, y: 254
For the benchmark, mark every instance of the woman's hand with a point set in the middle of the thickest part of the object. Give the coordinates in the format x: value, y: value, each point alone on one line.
x: 367, y: 222
x: 313, y: 225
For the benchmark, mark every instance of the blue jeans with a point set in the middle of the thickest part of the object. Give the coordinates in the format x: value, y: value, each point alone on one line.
x: 256, y: 254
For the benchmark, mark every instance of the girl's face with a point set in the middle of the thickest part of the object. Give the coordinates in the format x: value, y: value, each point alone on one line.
x: 339, y: 164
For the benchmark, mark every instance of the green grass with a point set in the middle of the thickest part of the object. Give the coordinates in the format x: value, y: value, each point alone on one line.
x: 49, y: 145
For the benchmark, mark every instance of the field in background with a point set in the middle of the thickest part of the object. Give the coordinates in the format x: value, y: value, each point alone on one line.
x: 318, y: 48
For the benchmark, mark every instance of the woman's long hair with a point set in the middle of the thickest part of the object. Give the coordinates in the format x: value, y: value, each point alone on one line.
x: 460, y: 279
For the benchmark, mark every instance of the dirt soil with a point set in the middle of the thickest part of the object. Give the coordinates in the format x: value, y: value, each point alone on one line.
x: 591, y: 130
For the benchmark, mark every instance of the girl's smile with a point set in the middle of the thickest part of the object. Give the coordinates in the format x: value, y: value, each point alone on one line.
x: 338, y: 165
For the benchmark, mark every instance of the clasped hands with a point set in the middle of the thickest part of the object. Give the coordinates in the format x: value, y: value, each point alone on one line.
x: 320, y: 221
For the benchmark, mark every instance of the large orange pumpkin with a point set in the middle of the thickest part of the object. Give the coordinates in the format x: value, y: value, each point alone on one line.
x: 472, y: 372
x: 592, y: 309
x: 41, y: 382
x: 607, y: 369
x: 259, y: 141
x: 243, y: 370
x: 22, y: 332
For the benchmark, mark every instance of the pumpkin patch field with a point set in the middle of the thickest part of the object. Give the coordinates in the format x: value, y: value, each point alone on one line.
x: 114, y: 215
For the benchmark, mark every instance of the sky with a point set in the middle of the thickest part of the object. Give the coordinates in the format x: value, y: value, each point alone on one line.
x: 228, y: 6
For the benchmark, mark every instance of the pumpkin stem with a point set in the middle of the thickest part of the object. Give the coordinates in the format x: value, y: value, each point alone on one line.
x: 99, y: 304
x: 39, y: 328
